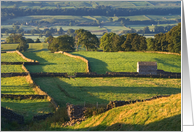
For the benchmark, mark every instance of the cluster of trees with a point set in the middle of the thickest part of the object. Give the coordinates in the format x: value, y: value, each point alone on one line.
x: 110, y: 42
x: 17, y: 38
x: 170, y: 41
x: 68, y: 43
x: 7, y: 13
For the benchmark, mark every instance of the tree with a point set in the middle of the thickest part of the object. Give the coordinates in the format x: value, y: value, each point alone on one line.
x: 48, y: 33
x: 49, y: 39
x: 37, y: 40
x: 22, y: 45
x: 106, y: 42
x: 62, y: 43
x: 29, y: 40
x: 146, y: 30
x: 110, y: 19
x: 86, y: 39
x: 150, y: 44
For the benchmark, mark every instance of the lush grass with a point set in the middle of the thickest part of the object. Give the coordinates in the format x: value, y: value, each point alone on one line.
x: 162, y: 114
x: 27, y: 107
x: 11, y: 68
x: 50, y: 62
x: 101, y: 62
x: 11, y: 57
x: 103, y: 90
x: 15, y: 85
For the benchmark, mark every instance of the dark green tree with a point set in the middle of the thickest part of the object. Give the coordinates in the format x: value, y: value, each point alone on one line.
x: 29, y: 40
x: 106, y: 42
x: 23, y: 46
x: 37, y: 40
x: 86, y: 39
x: 62, y: 43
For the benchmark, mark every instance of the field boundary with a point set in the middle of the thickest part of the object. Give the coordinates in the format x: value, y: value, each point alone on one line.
x: 160, y: 74
x: 77, y: 57
x: 159, y: 52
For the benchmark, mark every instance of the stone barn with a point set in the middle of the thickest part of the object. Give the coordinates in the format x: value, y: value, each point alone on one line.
x: 147, y: 68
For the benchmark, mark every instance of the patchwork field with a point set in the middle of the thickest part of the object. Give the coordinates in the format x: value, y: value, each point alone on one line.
x: 28, y: 107
x: 103, y: 90
x: 50, y: 62
x: 101, y: 62
x: 11, y: 68
x: 15, y: 85
x: 11, y: 57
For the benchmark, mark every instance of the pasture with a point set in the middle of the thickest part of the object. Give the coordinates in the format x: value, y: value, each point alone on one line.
x: 11, y: 57
x: 50, y: 62
x: 101, y: 62
x: 28, y: 107
x: 162, y: 114
x: 16, y: 85
x: 103, y: 90
x: 11, y: 68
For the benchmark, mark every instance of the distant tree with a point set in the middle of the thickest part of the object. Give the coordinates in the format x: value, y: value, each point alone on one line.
x: 110, y: 19
x: 146, y: 30
x: 40, y: 35
x: 23, y: 46
x: 13, y: 38
x: 71, y: 32
x: 29, y: 40
x: 49, y: 39
x: 60, y: 30
x: 86, y: 39
x: 62, y: 43
x: 37, y: 41
x: 48, y: 33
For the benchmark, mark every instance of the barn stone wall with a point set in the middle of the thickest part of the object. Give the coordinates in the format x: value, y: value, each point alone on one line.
x: 147, y: 68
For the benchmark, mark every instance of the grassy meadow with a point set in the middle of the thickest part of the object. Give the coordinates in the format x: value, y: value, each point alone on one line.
x: 11, y: 68
x: 162, y: 114
x: 50, y: 62
x: 11, y: 57
x: 101, y: 62
x: 16, y: 85
x: 28, y: 107
x: 103, y: 90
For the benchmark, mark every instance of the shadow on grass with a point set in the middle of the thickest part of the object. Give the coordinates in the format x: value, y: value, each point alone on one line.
x: 96, y: 65
x: 78, y: 93
x: 165, y: 63
x: 167, y: 124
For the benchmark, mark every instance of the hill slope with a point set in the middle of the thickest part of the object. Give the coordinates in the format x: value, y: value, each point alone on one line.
x: 162, y: 114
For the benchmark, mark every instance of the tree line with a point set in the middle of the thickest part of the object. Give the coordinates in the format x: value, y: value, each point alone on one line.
x: 111, y: 42
x: 8, y: 13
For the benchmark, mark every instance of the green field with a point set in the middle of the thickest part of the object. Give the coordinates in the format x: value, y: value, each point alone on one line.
x: 103, y: 90
x: 50, y: 62
x: 11, y: 68
x: 16, y: 85
x: 11, y: 57
x: 28, y: 107
x: 101, y: 62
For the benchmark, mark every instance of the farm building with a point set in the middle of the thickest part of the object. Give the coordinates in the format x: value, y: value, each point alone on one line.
x: 147, y: 68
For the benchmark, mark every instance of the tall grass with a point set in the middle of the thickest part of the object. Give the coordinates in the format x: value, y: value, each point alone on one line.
x: 162, y: 114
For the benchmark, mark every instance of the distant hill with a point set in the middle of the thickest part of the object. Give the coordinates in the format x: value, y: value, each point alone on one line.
x: 88, y: 4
